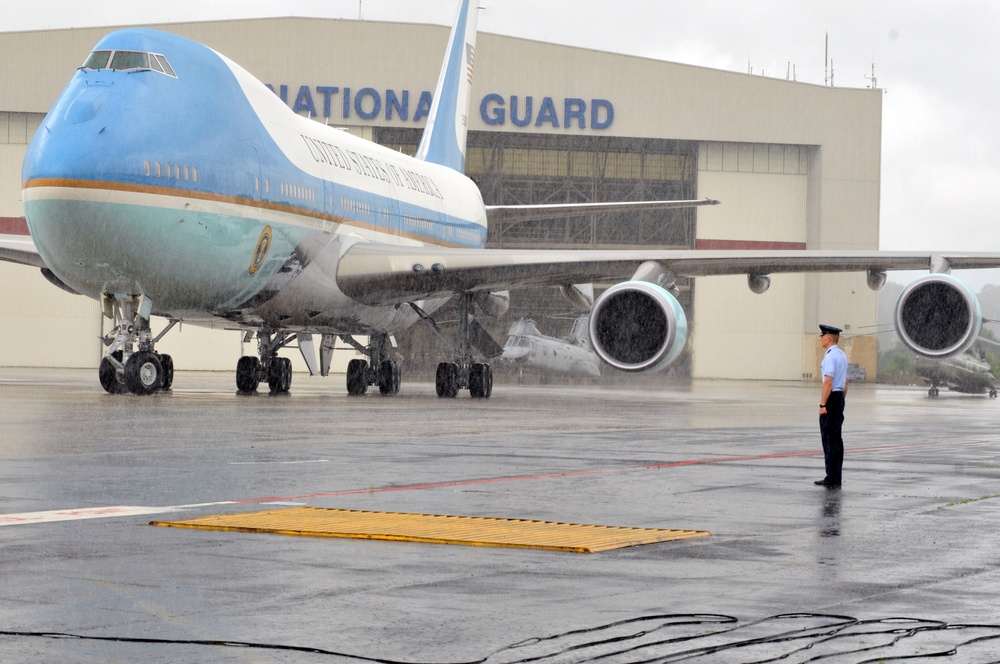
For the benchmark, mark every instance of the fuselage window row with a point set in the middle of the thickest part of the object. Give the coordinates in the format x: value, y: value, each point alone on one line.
x: 418, y: 224
x: 297, y: 191
x: 168, y: 170
x: 356, y: 206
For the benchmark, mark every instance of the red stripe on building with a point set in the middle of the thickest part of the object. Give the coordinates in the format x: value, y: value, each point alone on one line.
x: 747, y: 244
x: 13, y: 226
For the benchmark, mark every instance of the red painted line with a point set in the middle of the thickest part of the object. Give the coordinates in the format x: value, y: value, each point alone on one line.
x: 606, y: 471
x: 13, y: 226
x: 757, y: 245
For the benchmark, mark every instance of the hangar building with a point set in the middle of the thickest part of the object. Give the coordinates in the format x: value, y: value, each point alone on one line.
x: 795, y: 165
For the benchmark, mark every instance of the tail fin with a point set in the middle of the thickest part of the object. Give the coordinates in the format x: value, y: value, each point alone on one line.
x: 443, y: 141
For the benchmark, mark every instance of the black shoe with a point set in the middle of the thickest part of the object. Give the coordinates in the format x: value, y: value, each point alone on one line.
x: 822, y: 482
x: 828, y: 483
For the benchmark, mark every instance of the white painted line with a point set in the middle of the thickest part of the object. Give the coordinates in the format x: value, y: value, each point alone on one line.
x: 76, y: 514
x: 280, y: 463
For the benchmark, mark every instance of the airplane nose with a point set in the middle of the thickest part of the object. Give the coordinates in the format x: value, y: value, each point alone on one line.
x: 86, y: 105
x: 514, y: 353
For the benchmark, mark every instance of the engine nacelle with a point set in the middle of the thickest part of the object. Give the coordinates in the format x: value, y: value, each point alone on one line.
x: 638, y: 326
x: 493, y: 304
x: 938, y: 316
x: 758, y: 283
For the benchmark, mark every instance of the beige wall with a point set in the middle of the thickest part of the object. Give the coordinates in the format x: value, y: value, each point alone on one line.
x: 736, y: 333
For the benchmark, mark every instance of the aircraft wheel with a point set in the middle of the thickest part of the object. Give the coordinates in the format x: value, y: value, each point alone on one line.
x: 168, y: 371
x: 108, y: 376
x: 993, y: 394
x: 247, y: 374
x: 446, y: 380
x: 143, y: 372
x: 279, y: 375
x: 388, y: 378
x: 357, y: 378
x: 481, y: 381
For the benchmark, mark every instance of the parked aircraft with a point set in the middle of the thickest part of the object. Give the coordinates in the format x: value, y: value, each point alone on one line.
x: 968, y: 372
x: 528, y: 349
x: 167, y: 181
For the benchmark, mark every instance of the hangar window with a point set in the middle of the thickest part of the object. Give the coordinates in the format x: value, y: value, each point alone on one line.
x: 128, y: 61
x: 754, y: 158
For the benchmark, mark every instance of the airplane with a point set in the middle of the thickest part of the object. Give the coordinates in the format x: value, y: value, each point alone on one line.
x: 166, y: 181
x: 527, y: 348
x: 967, y: 372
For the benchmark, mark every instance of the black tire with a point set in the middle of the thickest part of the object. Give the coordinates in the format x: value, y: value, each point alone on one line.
x: 108, y: 376
x: 481, y: 381
x: 168, y: 371
x: 446, y: 380
x: 247, y: 374
x: 143, y: 372
x: 357, y: 377
x: 388, y: 378
x: 279, y: 375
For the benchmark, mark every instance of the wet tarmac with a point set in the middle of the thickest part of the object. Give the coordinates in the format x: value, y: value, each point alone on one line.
x: 903, y: 561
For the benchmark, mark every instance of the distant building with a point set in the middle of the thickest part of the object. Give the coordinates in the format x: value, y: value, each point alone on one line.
x: 796, y: 166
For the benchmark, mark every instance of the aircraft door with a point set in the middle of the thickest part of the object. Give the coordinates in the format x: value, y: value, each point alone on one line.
x: 393, y: 215
x: 251, y: 167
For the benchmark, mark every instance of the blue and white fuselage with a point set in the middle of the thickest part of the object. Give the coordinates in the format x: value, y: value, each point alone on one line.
x: 131, y: 188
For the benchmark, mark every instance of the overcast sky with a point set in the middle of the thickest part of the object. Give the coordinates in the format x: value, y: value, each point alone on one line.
x: 938, y: 63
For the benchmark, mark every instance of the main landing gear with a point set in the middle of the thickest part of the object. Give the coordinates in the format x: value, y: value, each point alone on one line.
x: 380, y: 369
x: 268, y: 367
x: 131, y: 363
x: 464, y: 372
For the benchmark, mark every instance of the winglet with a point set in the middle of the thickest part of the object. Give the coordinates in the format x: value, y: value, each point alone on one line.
x: 443, y: 141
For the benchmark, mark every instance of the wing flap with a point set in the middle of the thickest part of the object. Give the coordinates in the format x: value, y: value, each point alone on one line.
x: 389, y: 274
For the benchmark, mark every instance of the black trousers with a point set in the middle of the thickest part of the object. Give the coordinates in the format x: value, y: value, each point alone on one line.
x: 830, y: 426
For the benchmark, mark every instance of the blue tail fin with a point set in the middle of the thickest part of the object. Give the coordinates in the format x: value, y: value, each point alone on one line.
x: 443, y: 141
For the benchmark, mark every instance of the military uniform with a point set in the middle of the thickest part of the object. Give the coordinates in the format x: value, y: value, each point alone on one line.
x: 831, y: 422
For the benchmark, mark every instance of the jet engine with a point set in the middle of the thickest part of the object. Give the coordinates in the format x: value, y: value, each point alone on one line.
x: 638, y: 326
x: 938, y: 316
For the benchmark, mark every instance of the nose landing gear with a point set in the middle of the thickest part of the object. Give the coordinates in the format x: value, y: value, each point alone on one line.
x: 131, y: 363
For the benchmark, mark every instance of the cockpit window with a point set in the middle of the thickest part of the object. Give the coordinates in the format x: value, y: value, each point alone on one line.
x: 97, y: 60
x: 166, y: 65
x: 517, y: 342
x: 129, y: 61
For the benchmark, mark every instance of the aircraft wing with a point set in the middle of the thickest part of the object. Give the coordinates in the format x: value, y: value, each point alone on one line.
x: 502, y: 213
x: 385, y: 274
x: 19, y: 249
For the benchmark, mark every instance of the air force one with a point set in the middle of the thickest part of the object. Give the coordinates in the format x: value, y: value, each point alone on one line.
x: 167, y: 181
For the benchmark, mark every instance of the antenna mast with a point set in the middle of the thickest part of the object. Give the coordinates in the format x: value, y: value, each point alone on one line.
x: 873, y: 79
x: 827, y: 63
